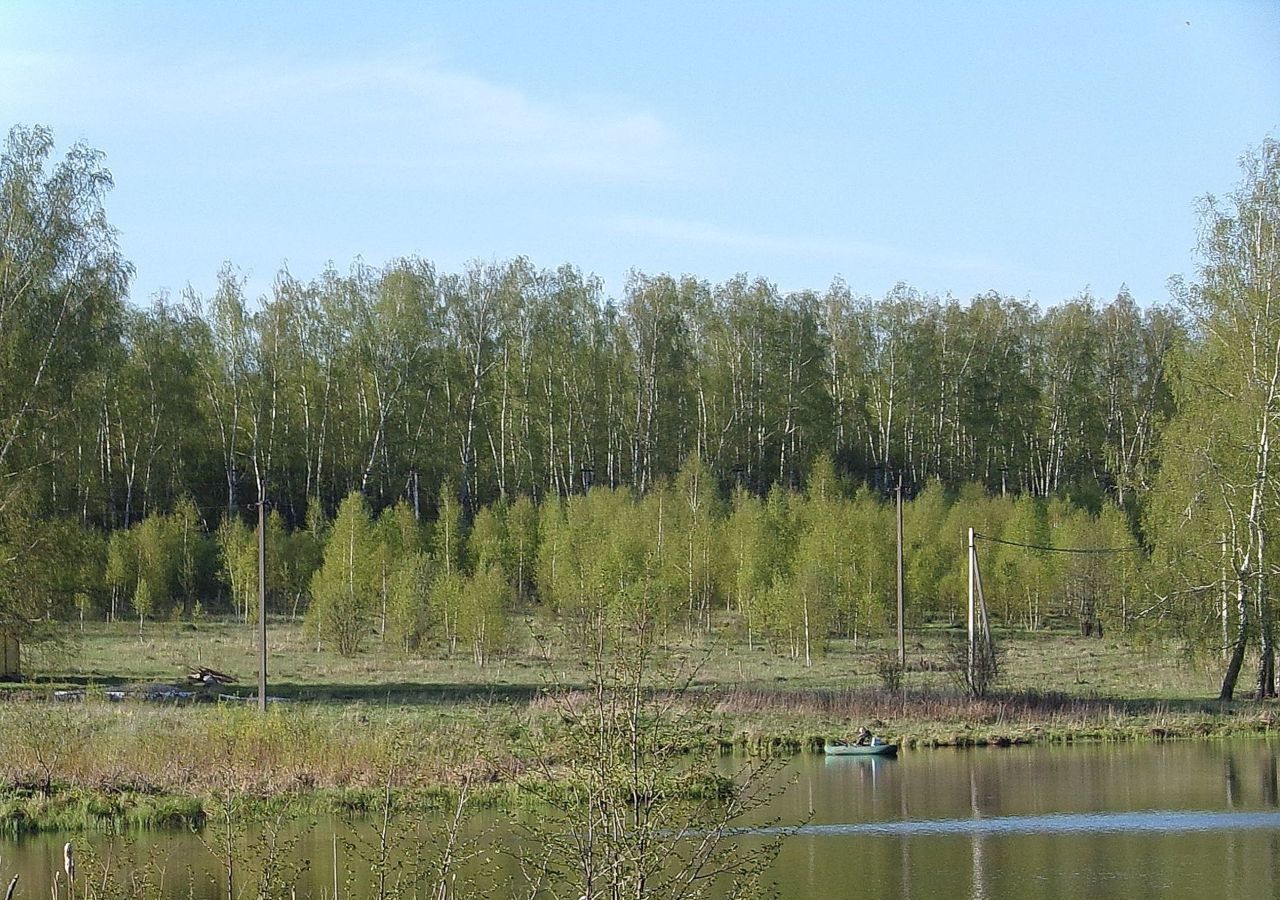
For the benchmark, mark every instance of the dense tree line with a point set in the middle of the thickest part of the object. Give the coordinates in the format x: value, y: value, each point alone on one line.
x: 784, y: 566
x: 507, y: 380
x: 441, y: 398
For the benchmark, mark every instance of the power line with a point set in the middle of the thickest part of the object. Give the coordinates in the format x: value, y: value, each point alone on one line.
x: 995, y: 540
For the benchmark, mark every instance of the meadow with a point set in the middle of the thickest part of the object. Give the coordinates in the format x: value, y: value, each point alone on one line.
x: 1046, y: 661
x: 346, y: 728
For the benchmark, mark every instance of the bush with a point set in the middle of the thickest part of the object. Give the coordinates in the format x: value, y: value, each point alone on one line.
x: 976, y: 680
x: 889, y: 671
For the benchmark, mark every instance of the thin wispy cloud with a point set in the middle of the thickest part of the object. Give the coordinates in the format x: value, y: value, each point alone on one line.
x: 402, y: 117
x: 878, y: 145
x: 834, y: 250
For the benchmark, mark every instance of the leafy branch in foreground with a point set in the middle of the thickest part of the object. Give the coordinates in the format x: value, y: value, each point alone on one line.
x: 630, y: 805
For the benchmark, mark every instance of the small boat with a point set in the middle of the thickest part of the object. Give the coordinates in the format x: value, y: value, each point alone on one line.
x: 861, y: 749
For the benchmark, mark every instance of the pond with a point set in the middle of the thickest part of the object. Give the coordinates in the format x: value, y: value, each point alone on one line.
x: 1125, y: 821
x: 1185, y: 819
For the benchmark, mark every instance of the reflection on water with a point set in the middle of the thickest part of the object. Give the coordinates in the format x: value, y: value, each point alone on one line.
x: 1181, y: 820
x: 1156, y: 820
x: 1164, y: 820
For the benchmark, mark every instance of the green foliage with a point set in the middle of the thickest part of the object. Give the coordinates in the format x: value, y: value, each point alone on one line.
x: 1219, y: 469
x: 238, y: 550
x: 448, y: 531
x: 411, y: 617
x: 344, y: 590
x: 487, y: 543
x: 190, y: 550
x: 502, y: 381
x: 869, y: 534
x: 398, y: 533
x: 522, y: 547
x: 44, y: 565
x: 494, y: 389
x: 279, y: 580
x: 749, y: 572
x: 601, y: 549
x: 121, y: 572
x: 62, y: 284
x: 696, y: 513
x: 1021, y: 579
x: 481, y: 613
x: 820, y: 584
x: 158, y: 548
x: 552, y: 561
x: 930, y: 551
x: 399, y: 541
x: 144, y: 599
x: 446, y: 601
x: 291, y: 565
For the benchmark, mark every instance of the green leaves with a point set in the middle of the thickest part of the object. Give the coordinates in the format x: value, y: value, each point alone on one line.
x: 485, y: 401
x: 1214, y: 508
x: 62, y: 281
x: 344, y: 591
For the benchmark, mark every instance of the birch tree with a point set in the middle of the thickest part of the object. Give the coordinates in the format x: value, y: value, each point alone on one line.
x: 344, y: 591
x: 1221, y: 449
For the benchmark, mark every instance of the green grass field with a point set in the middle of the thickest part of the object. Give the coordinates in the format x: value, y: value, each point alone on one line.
x: 1057, y: 662
x: 435, y: 723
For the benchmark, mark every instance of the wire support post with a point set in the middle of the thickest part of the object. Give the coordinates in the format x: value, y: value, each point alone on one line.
x: 262, y: 597
x: 980, y: 657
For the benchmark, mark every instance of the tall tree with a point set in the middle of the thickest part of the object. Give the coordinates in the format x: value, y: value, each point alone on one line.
x: 657, y: 324
x: 62, y: 280
x: 1220, y: 452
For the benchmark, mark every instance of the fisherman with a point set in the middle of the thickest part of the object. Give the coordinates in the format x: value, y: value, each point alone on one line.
x: 864, y: 737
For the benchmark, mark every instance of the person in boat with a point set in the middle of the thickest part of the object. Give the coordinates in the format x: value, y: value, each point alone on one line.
x: 864, y: 738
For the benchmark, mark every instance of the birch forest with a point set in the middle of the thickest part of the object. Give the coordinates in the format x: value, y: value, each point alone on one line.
x: 442, y: 452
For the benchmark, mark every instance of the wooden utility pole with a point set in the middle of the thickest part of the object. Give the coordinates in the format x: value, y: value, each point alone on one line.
x: 10, y: 655
x: 902, y: 638
x: 262, y: 598
x: 979, y: 626
x: 972, y: 580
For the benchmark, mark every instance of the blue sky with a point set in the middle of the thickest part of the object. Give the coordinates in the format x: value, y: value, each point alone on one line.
x: 1037, y: 149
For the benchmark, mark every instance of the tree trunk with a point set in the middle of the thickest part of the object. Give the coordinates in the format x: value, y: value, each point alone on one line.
x: 1228, y: 689
x: 1266, y: 683
x: 808, y: 658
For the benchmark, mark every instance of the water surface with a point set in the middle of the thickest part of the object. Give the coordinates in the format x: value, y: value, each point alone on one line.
x: 1176, y: 820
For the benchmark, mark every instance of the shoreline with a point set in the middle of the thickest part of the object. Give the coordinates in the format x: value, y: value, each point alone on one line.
x: 133, y: 801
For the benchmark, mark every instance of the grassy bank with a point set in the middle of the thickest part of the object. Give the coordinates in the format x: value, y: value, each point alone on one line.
x: 430, y: 725
x: 1044, y: 661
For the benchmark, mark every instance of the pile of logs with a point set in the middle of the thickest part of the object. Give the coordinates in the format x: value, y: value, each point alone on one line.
x: 204, y: 675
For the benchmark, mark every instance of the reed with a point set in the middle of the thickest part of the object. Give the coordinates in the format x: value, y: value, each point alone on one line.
x: 104, y: 765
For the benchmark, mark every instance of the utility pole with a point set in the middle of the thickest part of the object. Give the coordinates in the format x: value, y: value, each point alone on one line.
x: 262, y: 597
x: 902, y: 638
x: 973, y: 556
